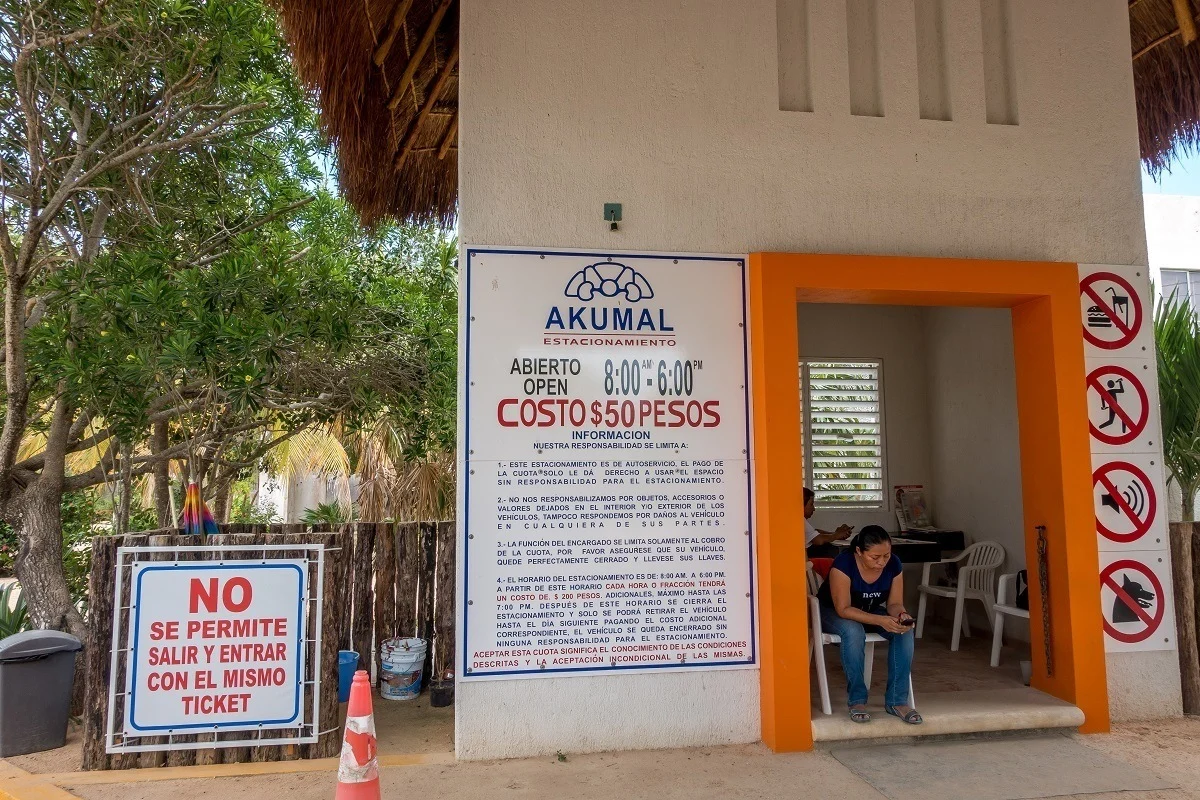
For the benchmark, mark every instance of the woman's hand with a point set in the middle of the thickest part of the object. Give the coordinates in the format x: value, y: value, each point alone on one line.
x: 892, y: 625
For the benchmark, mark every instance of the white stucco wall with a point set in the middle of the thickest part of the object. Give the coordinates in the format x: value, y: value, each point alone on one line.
x: 672, y: 108
x: 975, y: 450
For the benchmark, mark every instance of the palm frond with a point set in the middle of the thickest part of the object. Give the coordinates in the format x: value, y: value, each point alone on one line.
x: 314, y: 450
x: 1177, y: 341
x: 14, y: 616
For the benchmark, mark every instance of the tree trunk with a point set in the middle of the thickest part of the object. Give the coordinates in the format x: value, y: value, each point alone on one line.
x: 1194, y: 606
x: 162, y: 477
x: 220, y: 506
x: 38, y: 523
x: 39, y: 563
x: 1181, y: 536
x: 1188, y: 497
x: 16, y: 381
x: 124, y: 490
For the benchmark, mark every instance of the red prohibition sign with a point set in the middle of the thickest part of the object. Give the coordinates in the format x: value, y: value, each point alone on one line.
x: 1127, y: 330
x: 1133, y: 428
x: 1140, y: 524
x: 1152, y: 623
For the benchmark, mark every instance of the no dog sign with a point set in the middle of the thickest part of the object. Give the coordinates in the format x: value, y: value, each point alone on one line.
x: 1136, y: 603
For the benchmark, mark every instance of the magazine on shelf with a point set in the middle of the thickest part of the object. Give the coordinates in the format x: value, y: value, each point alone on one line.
x: 912, y: 509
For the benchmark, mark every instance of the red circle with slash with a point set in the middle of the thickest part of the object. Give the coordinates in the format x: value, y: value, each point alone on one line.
x: 1152, y: 623
x: 1140, y: 525
x: 1133, y: 427
x: 1128, y: 331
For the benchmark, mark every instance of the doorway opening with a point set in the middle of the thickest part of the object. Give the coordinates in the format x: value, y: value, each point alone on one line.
x: 966, y: 376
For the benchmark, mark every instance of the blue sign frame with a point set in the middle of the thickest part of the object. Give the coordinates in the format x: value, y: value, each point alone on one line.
x: 135, y: 621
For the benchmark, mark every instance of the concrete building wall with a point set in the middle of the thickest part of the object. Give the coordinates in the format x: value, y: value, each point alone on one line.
x: 673, y: 108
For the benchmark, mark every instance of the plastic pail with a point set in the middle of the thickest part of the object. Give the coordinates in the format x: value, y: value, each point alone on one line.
x: 347, y: 664
x: 401, y: 662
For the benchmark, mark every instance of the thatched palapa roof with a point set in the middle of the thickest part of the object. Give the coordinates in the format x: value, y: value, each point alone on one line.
x: 1166, y: 77
x: 386, y: 75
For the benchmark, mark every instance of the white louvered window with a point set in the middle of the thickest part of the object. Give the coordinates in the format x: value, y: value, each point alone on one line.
x: 842, y: 416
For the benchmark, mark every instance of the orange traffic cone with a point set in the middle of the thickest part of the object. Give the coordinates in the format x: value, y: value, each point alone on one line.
x: 358, y: 771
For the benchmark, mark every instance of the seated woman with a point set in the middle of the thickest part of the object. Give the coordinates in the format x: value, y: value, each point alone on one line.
x: 865, y: 594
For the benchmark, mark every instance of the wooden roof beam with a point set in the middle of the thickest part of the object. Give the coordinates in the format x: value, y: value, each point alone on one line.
x: 1166, y: 37
x: 434, y: 93
x: 419, y: 54
x: 398, y: 15
x: 1187, y: 26
x: 449, y: 140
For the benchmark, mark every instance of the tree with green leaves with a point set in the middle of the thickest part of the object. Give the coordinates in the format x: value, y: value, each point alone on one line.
x: 178, y: 284
x: 1177, y: 342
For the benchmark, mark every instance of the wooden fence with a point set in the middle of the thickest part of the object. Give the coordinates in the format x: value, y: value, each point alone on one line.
x: 381, y: 580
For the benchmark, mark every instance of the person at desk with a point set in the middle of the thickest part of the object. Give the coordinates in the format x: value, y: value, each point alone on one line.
x: 865, y: 594
x: 814, y: 537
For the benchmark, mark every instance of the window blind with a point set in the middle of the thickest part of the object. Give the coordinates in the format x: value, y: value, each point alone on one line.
x: 843, y: 427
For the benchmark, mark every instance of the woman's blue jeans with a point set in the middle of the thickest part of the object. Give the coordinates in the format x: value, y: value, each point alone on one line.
x: 854, y: 649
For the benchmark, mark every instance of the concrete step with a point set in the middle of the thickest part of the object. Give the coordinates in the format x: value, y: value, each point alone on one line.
x: 951, y: 713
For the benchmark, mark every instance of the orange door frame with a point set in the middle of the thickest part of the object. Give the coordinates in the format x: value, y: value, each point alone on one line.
x: 1055, y: 459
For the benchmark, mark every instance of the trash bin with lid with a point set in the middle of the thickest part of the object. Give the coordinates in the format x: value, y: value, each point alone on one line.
x: 37, y: 669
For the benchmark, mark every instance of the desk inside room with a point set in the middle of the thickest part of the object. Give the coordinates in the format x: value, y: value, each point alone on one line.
x: 949, y: 541
x: 908, y: 550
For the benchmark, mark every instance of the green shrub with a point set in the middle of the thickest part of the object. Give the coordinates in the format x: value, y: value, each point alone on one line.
x: 332, y: 513
x: 14, y: 616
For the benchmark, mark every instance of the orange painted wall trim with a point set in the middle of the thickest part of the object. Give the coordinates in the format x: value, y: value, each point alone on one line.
x: 779, y: 510
x: 1055, y: 460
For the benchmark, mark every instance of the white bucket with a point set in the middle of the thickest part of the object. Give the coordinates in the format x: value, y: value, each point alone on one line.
x: 401, y: 664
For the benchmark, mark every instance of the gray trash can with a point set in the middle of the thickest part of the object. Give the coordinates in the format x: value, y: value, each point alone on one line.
x: 37, y: 669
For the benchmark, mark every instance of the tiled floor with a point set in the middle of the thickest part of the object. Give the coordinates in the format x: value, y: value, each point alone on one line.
x: 956, y: 692
x: 935, y: 668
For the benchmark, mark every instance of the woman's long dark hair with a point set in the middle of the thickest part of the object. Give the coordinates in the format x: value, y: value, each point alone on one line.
x: 868, y: 537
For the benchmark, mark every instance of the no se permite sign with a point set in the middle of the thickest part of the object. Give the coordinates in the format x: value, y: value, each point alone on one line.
x: 215, y: 647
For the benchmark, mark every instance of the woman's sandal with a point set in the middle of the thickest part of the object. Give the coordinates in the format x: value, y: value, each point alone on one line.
x: 910, y: 717
x: 860, y: 715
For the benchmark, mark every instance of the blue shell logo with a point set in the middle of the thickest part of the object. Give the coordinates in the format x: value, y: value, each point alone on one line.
x: 609, y: 279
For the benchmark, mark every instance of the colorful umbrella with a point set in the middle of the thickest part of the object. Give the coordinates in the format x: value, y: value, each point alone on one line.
x: 196, y: 519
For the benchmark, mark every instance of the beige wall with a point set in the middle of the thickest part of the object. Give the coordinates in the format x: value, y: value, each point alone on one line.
x: 672, y: 108
x: 894, y: 335
x: 975, y: 451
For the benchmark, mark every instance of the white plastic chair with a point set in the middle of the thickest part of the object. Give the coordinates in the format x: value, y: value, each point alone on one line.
x: 976, y: 581
x: 818, y: 640
x: 1007, y: 586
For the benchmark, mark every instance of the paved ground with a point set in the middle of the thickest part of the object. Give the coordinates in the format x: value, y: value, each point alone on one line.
x: 403, y: 727
x: 1170, y: 749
